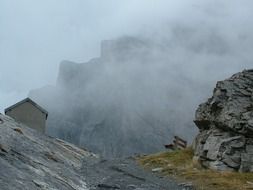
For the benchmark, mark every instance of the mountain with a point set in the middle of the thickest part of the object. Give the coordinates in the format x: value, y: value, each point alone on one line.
x: 137, y: 95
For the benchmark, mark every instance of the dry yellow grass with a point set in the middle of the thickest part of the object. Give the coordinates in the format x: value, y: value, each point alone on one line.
x: 179, y: 164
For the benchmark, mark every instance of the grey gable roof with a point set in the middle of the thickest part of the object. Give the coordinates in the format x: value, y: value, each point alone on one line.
x: 26, y: 100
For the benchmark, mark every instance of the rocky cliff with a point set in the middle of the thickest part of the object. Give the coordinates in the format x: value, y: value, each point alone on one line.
x: 225, y: 122
x: 31, y: 160
x: 128, y: 100
x: 140, y: 91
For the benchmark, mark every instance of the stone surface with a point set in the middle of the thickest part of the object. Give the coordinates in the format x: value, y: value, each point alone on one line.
x: 125, y: 174
x: 225, y: 139
x: 30, y: 160
x: 157, y: 169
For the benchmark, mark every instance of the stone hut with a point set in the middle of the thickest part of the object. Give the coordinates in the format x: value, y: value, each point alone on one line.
x: 28, y: 113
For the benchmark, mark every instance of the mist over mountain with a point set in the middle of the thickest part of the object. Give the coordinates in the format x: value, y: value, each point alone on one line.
x: 142, y: 90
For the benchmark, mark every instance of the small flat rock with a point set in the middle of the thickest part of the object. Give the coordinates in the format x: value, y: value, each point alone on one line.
x: 157, y: 169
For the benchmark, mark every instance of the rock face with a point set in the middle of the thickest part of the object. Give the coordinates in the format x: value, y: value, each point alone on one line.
x: 31, y: 160
x: 225, y: 122
x: 140, y: 92
x: 127, y: 101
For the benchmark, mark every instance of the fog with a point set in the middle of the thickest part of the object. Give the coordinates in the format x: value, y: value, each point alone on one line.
x: 36, y: 35
x: 142, y: 87
x: 169, y: 57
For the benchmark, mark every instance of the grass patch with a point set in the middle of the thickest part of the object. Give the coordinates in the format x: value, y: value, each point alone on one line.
x: 179, y: 164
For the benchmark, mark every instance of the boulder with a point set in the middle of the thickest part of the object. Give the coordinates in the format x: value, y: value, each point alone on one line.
x: 225, y: 122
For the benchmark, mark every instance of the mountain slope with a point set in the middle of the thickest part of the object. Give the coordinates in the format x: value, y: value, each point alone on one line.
x: 126, y: 101
x: 31, y: 160
x: 138, y: 94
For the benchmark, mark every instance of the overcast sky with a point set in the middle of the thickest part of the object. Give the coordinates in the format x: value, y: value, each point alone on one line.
x: 35, y: 35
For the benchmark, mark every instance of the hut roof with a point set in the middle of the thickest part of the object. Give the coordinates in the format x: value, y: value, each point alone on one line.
x: 27, y: 100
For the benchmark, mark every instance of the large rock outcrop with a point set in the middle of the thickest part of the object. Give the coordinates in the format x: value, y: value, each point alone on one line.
x: 31, y: 160
x: 225, y: 122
